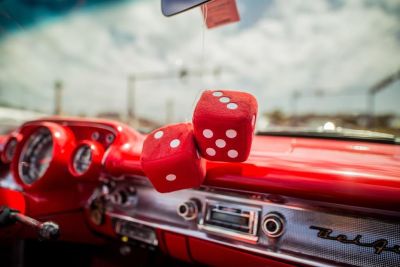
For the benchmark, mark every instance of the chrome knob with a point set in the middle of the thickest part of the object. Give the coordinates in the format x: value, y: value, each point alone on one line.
x: 188, y: 210
x: 273, y: 225
x: 123, y: 196
x: 49, y: 231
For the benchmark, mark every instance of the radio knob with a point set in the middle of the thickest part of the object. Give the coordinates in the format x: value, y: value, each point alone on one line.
x: 188, y: 210
x: 273, y: 225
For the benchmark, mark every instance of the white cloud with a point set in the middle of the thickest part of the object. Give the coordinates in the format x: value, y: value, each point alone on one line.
x: 290, y: 45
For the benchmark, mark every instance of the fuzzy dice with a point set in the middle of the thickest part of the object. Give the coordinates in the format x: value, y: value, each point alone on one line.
x: 170, y: 158
x: 224, y: 123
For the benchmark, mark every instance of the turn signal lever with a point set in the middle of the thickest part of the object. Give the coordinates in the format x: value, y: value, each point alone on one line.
x: 46, y: 230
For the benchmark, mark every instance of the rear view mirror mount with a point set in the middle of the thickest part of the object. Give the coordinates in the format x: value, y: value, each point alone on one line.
x: 173, y: 7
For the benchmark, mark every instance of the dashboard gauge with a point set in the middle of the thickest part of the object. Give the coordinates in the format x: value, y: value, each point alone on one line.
x: 82, y: 159
x: 9, y: 150
x: 36, y: 156
x: 85, y: 162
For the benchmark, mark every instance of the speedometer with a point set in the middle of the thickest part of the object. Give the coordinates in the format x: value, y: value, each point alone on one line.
x: 36, y: 156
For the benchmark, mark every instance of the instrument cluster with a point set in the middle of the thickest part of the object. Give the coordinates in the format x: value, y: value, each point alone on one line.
x: 46, y: 153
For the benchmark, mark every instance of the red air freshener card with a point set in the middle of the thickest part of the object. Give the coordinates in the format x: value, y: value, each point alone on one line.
x: 220, y: 12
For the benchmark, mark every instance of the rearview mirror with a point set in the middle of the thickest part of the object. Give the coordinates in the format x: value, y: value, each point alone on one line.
x: 173, y: 7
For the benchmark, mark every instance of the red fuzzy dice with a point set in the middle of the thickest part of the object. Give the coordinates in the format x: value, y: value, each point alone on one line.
x: 224, y: 123
x: 170, y: 158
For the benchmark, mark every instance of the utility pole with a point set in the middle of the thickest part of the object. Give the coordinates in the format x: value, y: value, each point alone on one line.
x: 373, y: 90
x: 131, y: 101
x: 134, y: 78
x: 295, y: 98
x: 58, y: 93
x: 371, y: 94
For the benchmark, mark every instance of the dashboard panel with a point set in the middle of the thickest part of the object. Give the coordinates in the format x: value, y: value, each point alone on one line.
x: 295, y: 201
x: 298, y: 231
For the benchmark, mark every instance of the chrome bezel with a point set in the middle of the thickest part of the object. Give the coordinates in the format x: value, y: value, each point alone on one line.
x: 37, y: 133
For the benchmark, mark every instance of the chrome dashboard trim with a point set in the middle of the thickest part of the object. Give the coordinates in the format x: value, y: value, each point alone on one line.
x: 203, y: 236
x: 298, y: 243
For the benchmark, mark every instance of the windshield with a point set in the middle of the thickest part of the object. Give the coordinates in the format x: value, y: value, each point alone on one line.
x: 313, y: 64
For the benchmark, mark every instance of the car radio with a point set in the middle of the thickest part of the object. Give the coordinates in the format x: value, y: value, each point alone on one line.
x: 232, y: 220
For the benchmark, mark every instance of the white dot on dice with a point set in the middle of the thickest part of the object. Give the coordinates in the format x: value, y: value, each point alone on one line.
x: 170, y: 177
x: 207, y: 133
x: 232, y: 153
x: 224, y: 99
x: 158, y: 134
x: 210, y: 151
x: 232, y: 106
x: 231, y: 133
x: 175, y: 143
x: 220, y: 143
x: 217, y: 93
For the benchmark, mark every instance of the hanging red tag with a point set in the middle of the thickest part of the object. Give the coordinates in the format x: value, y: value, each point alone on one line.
x: 220, y: 12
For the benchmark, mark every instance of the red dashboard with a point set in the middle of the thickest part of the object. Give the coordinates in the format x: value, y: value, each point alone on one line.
x: 59, y: 169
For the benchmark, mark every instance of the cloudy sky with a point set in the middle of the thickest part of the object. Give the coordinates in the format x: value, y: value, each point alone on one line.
x: 282, y: 46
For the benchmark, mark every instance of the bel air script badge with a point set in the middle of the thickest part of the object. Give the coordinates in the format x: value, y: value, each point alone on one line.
x: 379, y: 245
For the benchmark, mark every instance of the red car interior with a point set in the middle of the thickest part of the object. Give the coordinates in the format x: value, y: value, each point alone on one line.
x: 286, y: 205
x: 300, y: 169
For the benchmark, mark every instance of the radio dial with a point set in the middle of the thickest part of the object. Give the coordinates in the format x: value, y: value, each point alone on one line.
x: 273, y: 225
x: 188, y: 210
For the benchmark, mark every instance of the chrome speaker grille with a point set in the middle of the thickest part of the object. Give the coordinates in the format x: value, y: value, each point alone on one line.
x: 300, y: 238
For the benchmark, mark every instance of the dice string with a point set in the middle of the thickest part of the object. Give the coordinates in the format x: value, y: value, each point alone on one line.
x: 202, y: 57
